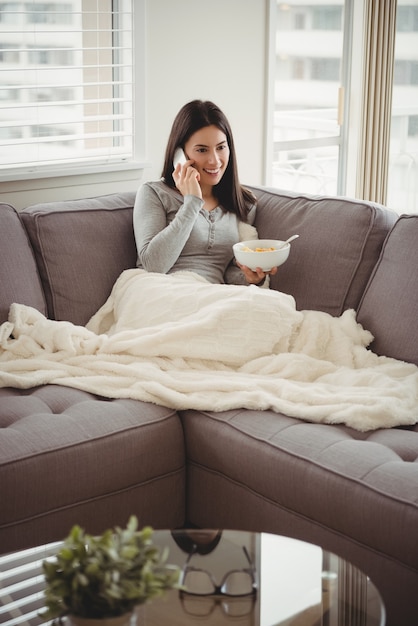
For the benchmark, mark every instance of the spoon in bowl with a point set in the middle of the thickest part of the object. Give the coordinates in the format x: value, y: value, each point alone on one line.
x: 282, y: 245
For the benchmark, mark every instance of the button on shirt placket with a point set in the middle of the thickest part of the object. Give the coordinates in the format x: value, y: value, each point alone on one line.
x: 210, y: 216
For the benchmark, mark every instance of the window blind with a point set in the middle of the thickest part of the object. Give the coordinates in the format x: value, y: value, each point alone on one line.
x: 66, y: 83
x: 22, y: 585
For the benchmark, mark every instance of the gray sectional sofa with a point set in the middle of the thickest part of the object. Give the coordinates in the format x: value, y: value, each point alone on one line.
x: 67, y: 456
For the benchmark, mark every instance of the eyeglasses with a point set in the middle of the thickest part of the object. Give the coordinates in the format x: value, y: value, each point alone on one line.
x: 235, y: 583
x: 233, y: 607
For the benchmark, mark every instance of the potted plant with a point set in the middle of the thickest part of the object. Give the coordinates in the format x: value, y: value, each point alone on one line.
x: 98, y: 578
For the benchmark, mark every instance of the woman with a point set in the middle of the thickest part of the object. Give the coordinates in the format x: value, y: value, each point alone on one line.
x: 190, y: 219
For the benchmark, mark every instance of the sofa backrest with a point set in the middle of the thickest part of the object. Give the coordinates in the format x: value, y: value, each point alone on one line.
x: 19, y: 277
x: 339, y: 245
x: 389, y: 307
x: 81, y: 247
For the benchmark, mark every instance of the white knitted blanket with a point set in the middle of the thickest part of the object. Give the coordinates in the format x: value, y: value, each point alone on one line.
x: 181, y: 342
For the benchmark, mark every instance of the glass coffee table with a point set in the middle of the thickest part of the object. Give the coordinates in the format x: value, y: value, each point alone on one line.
x: 231, y: 577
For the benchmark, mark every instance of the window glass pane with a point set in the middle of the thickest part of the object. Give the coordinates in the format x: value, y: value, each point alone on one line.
x: 403, y: 160
x: 307, y: 74
x: 313, y: 170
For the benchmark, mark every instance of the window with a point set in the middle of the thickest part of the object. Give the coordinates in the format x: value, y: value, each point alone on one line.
x: 9, y: 12
x: 299, y: 21
x: 8, y: 54
x: 407, y: 18
x: 66, y: 86
x: 326, y: 69
x: 406, y: 72
x: 306, y: 57
x: 50, y: 13
x: 332, y: 128
x: 50, y: 56
x: 413, y: 125
x: 327, y: 17
x: 403, y: 154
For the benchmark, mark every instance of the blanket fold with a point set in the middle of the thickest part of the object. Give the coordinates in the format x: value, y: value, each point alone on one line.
x: 178, y: 341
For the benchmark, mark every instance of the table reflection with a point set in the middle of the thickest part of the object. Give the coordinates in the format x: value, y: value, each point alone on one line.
x: 298, y: 584
x: 241, y: 578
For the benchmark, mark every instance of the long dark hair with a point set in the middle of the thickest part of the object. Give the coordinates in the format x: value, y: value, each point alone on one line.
x: 193, y: 116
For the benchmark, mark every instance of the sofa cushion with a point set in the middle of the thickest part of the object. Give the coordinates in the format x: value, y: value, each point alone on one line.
x: 81, y: 247
x: 339, y: 245
x: 19, y: 278
x: 70, y: 457
x: 389, y: 307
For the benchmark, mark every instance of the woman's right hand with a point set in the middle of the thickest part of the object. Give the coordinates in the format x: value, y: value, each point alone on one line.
x: 186, y: 178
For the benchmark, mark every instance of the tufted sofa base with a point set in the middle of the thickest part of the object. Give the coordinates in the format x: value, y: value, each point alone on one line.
x: 68, y: 456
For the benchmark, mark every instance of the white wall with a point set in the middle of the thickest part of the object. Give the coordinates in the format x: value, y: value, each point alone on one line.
x: 194, y: 49
x: 211, y: 50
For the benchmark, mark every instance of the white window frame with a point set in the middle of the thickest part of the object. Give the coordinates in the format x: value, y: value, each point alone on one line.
x: 138, y: 159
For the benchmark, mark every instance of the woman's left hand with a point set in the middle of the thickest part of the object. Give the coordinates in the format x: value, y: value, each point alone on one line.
x: 255, y: 277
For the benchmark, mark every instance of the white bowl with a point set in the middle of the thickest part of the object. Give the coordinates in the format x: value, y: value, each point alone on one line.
x: 266, y: 260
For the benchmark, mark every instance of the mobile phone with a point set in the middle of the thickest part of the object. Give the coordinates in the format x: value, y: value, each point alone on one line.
x: 179, y: 157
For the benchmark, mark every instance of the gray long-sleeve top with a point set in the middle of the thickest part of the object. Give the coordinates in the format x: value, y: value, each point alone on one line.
x: 175, y: 233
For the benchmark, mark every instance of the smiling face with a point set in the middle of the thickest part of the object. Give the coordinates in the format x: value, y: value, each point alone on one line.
x: 208, y: 148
